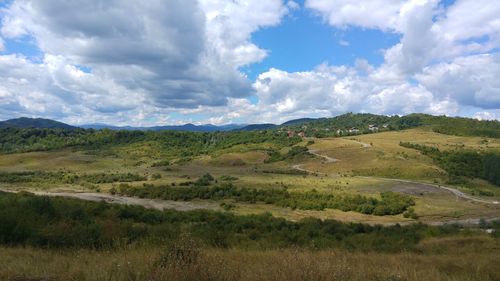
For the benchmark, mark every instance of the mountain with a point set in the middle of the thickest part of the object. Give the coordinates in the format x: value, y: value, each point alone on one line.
x: 253, y: 127
x: 186, y: 127
x: 25, y: 122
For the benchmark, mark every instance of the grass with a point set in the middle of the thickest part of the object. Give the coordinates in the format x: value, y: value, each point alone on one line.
x: 384, y: 158
x: 297, y: 215
x: 463, y: 258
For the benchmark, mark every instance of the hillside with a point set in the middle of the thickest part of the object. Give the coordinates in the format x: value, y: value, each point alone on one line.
x: 255, y: 127
x: 362, y: 123
x: 186, y: 204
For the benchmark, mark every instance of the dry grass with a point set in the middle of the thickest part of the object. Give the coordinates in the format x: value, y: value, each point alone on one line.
x: 457, y: 259
x: 384, y: 158
x: 296, y: 215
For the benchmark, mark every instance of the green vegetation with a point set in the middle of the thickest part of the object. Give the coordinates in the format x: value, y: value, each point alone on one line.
x: 66, y: 177
x: 174, y: 142
x: 250, y: 176
x: 463, y: 163
x: 390, y: 204
x: 58, y: 222
x: 295, y: 151
x: 324, y: 127
x: 462, y: 126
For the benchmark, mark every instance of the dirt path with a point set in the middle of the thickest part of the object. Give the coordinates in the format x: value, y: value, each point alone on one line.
x: 147, y: 203
x: 364, y: 145
x: 454, y: 191
x: 326, y: 157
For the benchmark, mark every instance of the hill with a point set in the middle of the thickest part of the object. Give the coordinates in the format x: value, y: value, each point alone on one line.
x: 300, y: 121
x: 362, y: 123
x: 254, y: 127
x: 25, y: 122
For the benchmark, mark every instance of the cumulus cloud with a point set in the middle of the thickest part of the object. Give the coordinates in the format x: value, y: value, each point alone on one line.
x: 380, y: 14
x: 330, y: 90
x: 163, y: 55
x: 470, y: 80
x: 127, y: 62
x: 424, y: 72
x: 178, y: 53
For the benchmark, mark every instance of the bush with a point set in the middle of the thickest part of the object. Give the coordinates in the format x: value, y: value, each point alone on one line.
x: 391, y: 203
x: 31, y: 220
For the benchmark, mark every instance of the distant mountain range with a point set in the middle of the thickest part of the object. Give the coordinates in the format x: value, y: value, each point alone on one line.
x: 25, y: 122
x: 318, y: 127
x: 185, y: 127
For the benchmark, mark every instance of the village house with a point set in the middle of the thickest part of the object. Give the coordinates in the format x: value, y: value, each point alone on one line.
x: 291, y: 134
x: 353, y: 130
x: 301, y: 134
x: 373, y: 128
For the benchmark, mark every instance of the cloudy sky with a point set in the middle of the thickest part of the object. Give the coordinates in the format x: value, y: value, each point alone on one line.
x: 129, y: 62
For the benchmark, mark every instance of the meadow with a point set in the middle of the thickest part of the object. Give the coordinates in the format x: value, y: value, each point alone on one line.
x: 457, y: 259
x: 249, y: 205
x: 365, y: 167
x: 69, y: 239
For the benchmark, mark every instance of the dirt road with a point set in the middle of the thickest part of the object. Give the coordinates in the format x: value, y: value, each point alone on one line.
x: 147, y: 203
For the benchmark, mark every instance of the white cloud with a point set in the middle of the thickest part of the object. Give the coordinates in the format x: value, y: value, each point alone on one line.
x: 2, y: 45
x: 344, y: 43
x: 184, y: 57
x: 178, y: 53
x: 162, y: 57
x: 292, y: 5
x: 487, y: 115
x: 471, y: 80
x: 328, y: 91
x: 379, y: 14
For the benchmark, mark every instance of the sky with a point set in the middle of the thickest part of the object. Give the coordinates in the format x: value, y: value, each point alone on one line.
x: 159, y: 62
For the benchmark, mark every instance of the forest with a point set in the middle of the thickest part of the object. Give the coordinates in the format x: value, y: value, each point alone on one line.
x: 14, y: 140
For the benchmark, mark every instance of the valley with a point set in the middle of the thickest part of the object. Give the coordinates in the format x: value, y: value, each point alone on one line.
x: 247, y: 196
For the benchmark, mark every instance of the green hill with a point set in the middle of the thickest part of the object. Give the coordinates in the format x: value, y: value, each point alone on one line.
x: 25, y: 122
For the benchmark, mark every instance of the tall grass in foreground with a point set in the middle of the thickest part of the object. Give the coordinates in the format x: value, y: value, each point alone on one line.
x: 457, y: 258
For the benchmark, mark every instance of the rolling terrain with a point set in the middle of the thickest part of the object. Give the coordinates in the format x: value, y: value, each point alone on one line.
x: 363, y: 165
x: 259, y: 192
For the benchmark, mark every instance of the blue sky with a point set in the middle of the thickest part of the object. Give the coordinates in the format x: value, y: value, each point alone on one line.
x: 303, y: 41
x: 209, y: 61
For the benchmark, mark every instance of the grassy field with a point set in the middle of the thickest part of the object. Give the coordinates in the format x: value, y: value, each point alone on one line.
x: 378, y: 156
x: 463, y: 258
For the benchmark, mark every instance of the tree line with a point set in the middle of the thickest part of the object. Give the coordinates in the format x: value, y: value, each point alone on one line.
x: 182, y: 143
x: 463, y: 163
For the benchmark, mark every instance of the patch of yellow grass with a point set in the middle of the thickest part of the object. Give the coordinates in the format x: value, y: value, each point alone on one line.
x: 457, y: 258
